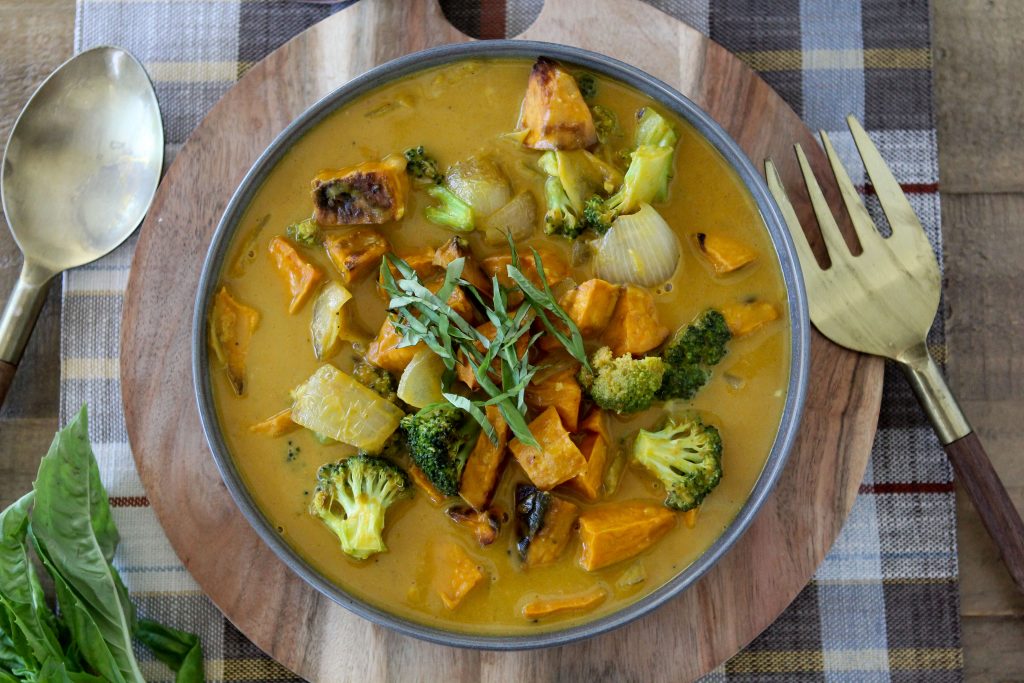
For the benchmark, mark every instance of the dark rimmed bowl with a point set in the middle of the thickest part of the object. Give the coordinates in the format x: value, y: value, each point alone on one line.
x: 666, y: 96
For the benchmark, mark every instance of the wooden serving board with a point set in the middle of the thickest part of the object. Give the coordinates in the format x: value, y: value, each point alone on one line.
x: 309, y: 633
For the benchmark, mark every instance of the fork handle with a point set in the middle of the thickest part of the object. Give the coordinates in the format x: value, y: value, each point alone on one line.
x: 978, y: 478
x: 971, y: 464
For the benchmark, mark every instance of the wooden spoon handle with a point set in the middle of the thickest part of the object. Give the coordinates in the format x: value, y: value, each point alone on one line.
x: 6, y: 378
x: 975, y: 473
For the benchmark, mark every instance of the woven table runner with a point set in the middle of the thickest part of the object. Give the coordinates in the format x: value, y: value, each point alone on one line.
x: 884, y: 604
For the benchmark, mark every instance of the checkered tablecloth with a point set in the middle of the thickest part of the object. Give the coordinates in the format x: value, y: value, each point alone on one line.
x: 884, y: 604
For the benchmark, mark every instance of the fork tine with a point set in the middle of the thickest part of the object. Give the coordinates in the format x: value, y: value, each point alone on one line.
x: 865, y: 227
x: 837, y: 249
x: 808, y: 263
x: 897, y: 207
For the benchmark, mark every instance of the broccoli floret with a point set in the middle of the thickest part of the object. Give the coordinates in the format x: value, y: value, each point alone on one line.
x: 452, y: 212
x: 422, y: 167
x: 691, y: 353
x: 351, y: 498
x: 378, y: 379
x: 606, y: 123
x: 686, y: 456
x: 587, y: 85
x: 560, y: 218
x: 597, y: 215
x: 646, y: 180
x: 653, y: 129
x: 439, y: 438
x: 305, y: 232
x: 624, y: 384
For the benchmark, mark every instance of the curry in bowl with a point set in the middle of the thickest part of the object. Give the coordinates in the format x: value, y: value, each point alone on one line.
x: 500, y: 347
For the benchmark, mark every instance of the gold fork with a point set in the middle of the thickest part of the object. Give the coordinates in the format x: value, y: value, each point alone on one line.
x: 882, y: 301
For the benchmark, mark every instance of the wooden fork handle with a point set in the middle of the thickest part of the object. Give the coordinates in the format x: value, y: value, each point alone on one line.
x: 975, y: 473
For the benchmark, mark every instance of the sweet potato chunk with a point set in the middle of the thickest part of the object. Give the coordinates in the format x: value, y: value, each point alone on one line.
x: 458, y: 300
x: 596, y: 422
x: 634, y: 326
x: 554, y: 112
x: 457, y: 575
x: 485, y: 463
x: 231, y: 328
x: 300, y: 276
x: 587, y: 483
x: 745, y: 318
x: 422, y: 482
x: 275, y: 425
x: 555, y: 267
x: 556, y: 460
x: 356, y: 252
x: 560, y: 390
x: 385, y: 353
x: 456, y: 248
x: 369, y: 193
x: 422, y: 262
x: 544, y: 606
x: 690, y: 517
x: 465, y: 373
x: 554, y: 535
x: 725, y: 254
x: 590, y: 305
x: 616, y: 531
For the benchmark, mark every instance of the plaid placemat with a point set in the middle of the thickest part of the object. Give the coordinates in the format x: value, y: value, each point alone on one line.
x: 884, y: 604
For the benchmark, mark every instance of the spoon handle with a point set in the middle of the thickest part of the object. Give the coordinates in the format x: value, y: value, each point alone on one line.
x: 18, y: 319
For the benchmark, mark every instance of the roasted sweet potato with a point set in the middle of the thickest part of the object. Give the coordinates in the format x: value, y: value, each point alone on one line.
x: 356, y: 252
x: 465, y: 373
x: 596, y: 422
x: 372, y: 192
x: 588, y: 483
x: 555, y: 532
x: 634, y: 326
x: 725, y: 254
x: 556, y: 460
x: 385, y: 353
x: 275, y: 425
x: 543, y: 606
x: 554, y: 112
x: 561, y: 390
x: 300, y: 276
x: 458, y: 300
x: 231, y: 328
x: 616, y: 531
x: 457, y: 574
x: 423, y: 483
x: 590, y: 305
x: 485, y: 463
x: 744, y: 318
x: 456, y: 248
x: 555, y: 267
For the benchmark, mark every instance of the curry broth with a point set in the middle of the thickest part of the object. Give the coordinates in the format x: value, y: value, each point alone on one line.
x: 455, y: 111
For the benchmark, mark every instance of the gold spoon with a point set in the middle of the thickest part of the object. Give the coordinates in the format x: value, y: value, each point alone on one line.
x: 79, y: 173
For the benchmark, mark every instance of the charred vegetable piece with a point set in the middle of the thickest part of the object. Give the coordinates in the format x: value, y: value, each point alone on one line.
x: 458, y: 575
x: 556, y: 459
x: 300, y: 276
x: 554, y: 111
x: 328, y: 326
x: 336, y: 405
x: 634, y: 326
x: 558, y: 389
x: 231, y: 328
x: 744, y: 318
x: 544, y: 525
x: 556, y: 604
x: 614, y: 532
x: 356, y: 252
x: 485, y: 463
x: 372, y: 192
x: 352, y: 497
x: 485, y: 525
x: 275, y: 425
x: 725, y: 254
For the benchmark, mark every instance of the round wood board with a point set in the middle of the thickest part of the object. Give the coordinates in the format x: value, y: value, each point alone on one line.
x: 306, y: 631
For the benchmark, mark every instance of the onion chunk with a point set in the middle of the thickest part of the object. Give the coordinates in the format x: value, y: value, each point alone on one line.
x: 640, y: 249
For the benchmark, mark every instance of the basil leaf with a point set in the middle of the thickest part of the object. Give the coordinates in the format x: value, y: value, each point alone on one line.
x: 76, y: 537
x: 179, y: 650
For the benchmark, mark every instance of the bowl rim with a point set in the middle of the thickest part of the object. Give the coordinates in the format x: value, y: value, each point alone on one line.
x: 664, y: 95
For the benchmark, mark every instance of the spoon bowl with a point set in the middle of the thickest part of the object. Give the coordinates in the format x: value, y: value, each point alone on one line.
x: 79, y: 173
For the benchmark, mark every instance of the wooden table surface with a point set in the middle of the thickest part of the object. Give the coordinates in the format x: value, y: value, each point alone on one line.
x: 980, y: 96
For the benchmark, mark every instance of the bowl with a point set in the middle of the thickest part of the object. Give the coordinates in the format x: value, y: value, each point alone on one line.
x: 665, y: 96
